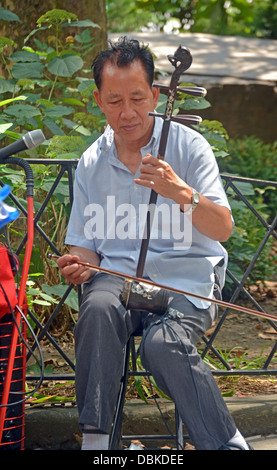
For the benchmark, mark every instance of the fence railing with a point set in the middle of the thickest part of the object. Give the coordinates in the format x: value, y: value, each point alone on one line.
x: 65, y: 168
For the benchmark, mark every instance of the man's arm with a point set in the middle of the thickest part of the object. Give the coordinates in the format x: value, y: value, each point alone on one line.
x: 209, y: 218
x: 71, y: 270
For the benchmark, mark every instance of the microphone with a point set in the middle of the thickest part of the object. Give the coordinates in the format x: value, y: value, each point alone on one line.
x: 30, y: 140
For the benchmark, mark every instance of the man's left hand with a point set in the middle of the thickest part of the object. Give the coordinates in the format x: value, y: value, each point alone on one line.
x: 159, y: 176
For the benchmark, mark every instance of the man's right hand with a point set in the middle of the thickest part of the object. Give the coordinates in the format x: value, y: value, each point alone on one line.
x: 72, y: 271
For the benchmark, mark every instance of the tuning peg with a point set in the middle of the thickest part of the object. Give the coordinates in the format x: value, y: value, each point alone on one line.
x: 189, y: 90
x: 181, y: 118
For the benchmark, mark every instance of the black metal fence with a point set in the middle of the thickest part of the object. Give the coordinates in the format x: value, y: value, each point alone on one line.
x: 65, y: 169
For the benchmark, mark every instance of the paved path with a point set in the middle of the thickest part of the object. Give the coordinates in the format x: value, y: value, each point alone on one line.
x: 54, y: 428
x: 218, y: 57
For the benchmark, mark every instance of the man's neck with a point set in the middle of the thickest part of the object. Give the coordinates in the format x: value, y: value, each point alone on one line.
x: 129, y: 155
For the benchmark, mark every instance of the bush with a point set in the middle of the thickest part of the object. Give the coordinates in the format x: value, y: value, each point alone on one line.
x: 45, y: 86
x: 251, y: 158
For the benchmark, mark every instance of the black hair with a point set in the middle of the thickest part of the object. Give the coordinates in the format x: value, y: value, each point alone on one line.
x: 122, y: 53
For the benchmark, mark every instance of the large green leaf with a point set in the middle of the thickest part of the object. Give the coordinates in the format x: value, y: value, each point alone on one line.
x: 27, y: 70
x: 7, y: 85
x: 65, y: 66
x: 58, y: 111
x: 8, y: 15
x: 53, y: 126
x: 22, y: 111
x: 59, y: 291
x: 195, y: 103
x: 11, y: 100
x: 25, y: 56
x: 82, y: 24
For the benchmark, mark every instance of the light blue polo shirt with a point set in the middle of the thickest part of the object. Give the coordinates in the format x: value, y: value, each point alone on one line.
x: 109, y: 210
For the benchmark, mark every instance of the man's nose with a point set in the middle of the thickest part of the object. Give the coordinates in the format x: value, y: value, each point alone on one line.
x: 127, y: 111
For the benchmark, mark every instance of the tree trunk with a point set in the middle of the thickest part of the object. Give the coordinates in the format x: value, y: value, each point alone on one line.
x: 30, y: 10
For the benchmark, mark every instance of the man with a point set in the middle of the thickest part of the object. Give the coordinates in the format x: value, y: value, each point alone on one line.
x: 114, y: 177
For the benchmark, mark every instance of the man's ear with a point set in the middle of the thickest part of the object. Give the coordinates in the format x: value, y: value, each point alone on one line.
x: 156, y: 95
x: 97, y: 97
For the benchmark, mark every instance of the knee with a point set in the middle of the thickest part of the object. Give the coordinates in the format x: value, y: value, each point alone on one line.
x: 163, y: 346
x: 101, y: 314
x: 153, y: 347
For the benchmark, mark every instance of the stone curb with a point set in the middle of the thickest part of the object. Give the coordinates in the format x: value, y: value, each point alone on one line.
x: 56, y: 428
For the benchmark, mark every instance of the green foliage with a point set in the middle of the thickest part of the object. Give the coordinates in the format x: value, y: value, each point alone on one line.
x: 235, y: 17
x: 8, y: 15
x: 56, y: 18
x: 251, y: 158
x: 45, y: 86
x: 44, y: 77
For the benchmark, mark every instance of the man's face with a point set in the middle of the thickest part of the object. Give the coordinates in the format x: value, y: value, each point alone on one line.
x: 126, y: 99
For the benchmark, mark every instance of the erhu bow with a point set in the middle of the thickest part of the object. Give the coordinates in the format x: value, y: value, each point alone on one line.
x: 151, y: 293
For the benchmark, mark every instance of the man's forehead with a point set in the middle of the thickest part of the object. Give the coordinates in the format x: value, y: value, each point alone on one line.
x: 134, y: 86
x: 134, y: 70
x: 117, y: 93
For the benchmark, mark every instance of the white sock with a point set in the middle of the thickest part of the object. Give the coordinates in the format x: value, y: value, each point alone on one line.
x: 238, y: 440
x: 94, y: 440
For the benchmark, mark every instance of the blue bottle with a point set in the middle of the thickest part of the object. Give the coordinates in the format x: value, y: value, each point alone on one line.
x: 7, y: 213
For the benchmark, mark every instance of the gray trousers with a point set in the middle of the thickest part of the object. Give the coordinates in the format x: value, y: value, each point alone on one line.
x: 167, y: 350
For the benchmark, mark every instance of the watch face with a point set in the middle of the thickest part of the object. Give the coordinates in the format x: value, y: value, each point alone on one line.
x: 196, y: 198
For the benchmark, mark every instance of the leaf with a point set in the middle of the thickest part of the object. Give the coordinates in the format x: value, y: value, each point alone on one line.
x: 82, y: 24
x: 230, y: 393
x: 8, y: 15
x: 86, y: 87
x: 22, y: 111
x: 195, y: 103
x: 18, y: 98
x: 24, y: 56
x: 27, y: 70
x: 59, y: 291
x: 58, y: 111
x: 82, y: 130
x: 7, y: 85
x: 73, y: 102
x: 44, y: 303
x: 65, y: 66
x: 245, y: 188
x: 4, y: 127
x: 139, y: 388
x: 53, y: 126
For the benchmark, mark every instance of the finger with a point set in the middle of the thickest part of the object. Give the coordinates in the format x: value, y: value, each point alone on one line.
x: 149, y: 183
x: 150, y: 160
x: 148, y: 170
x: 64, y: 261
x: 81, y: 275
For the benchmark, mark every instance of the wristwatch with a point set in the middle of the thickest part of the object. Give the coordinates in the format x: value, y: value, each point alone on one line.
x: 195, y: 199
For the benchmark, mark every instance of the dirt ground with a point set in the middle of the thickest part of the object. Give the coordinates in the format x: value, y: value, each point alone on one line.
x: 248, y: 332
